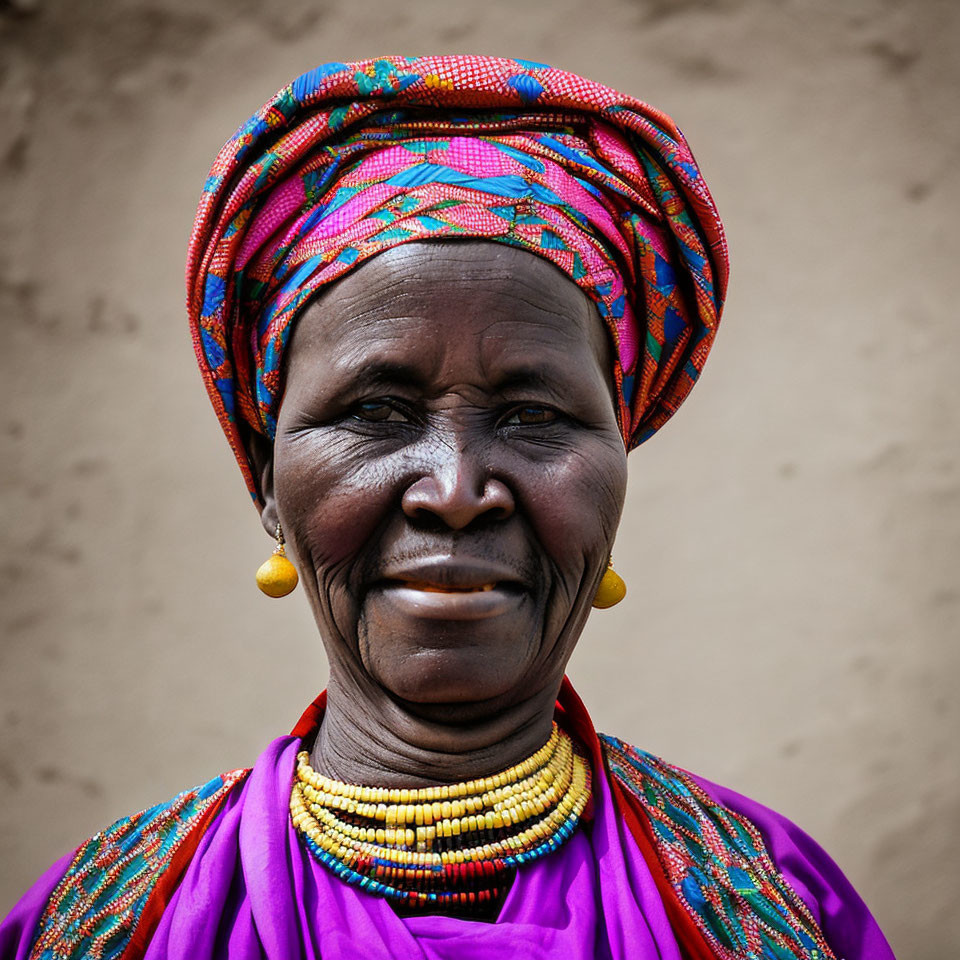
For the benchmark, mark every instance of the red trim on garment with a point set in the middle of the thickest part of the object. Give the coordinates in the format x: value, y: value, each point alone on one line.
x: 165, y: 887
x: 692, y: 943
x: 309, y: 721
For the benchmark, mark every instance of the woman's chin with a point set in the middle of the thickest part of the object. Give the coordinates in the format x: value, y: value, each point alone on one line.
x: 455, y: 676
x: 432, y: 648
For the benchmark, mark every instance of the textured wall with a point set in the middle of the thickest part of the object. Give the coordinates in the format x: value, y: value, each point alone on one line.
x: 791, y: 540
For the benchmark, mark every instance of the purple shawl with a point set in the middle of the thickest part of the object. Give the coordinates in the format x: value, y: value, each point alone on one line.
x: 253, y: 891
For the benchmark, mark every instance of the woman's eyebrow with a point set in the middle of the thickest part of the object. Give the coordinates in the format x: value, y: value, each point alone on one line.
x: 544, y: 377
x: 386, y: 373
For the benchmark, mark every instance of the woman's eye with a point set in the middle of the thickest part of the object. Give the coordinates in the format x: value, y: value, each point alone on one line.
x: 377, y: 411
x: 531, y: 415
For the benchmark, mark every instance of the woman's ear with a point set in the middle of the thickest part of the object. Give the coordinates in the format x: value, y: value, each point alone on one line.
x: 261, y: 458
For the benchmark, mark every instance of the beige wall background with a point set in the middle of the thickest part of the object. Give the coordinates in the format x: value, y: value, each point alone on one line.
x: 791, y: 540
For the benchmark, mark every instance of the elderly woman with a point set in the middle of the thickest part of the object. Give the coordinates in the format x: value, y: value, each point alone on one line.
x: 435, y: 301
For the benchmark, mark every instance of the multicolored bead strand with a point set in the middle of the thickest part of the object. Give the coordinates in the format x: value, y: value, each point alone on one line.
x: 448, y: 847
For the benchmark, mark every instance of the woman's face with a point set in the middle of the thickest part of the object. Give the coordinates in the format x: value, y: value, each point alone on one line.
x: 448, y: 470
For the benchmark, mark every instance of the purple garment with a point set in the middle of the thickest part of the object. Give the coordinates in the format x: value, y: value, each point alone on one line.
x: 277, y: 902
x: 252, y: 891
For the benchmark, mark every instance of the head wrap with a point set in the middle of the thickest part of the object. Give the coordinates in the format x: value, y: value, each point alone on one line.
x: 352, y: 159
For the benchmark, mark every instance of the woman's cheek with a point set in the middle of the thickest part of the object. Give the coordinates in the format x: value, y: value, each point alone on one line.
x: 575, y: 504
x: 332, y: 504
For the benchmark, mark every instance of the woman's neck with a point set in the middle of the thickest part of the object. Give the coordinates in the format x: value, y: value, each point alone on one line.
x: 371, y: 738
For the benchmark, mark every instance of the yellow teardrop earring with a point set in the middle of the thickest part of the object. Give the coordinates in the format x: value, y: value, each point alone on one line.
x: 277, y: 576
x: 612, y: 588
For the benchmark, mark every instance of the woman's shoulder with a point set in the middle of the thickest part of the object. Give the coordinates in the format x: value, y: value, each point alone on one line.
x: 105, y: 894
x: 724, y: 848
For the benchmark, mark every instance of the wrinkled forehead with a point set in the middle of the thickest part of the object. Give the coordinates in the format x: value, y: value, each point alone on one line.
x: 455, y: 306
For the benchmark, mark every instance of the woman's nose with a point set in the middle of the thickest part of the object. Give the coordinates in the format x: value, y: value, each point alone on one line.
x: 458, y: 492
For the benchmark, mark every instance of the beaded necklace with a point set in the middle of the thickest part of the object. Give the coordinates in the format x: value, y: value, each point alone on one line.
x: 453, y: 847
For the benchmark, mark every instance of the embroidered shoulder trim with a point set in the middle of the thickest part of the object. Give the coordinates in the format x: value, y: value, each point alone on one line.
x: 716, y: 862
x: 95, y: 910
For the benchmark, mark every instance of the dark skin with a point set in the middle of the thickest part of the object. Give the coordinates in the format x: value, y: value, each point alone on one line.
x: 449, y: 476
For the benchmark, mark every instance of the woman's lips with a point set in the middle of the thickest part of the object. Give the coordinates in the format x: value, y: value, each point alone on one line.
x: 434, y: 601
x: 450, y: 587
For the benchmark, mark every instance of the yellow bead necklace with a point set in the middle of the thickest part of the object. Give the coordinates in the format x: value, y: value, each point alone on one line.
x: 455, y: 845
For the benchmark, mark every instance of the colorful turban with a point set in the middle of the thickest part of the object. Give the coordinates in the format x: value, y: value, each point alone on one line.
x: 354, y: 158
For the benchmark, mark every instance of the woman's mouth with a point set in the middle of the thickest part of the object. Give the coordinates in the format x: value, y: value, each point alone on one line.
x: 451, y: 588
x: 432, y: 601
